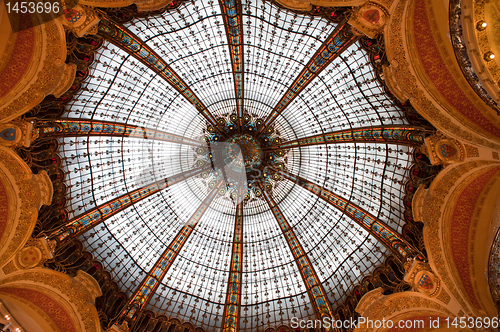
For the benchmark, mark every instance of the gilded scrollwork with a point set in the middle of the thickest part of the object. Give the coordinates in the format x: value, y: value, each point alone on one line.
x: 71, y: 290
x: 31, y: 192
x: 432, y: 207
x: 370, y: 18
x: 406, y: 305
x: 47, y: 76
x: 306, y: 5
x: 405, y: 84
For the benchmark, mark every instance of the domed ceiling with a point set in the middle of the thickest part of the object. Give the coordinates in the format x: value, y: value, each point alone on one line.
x: 210, y: 150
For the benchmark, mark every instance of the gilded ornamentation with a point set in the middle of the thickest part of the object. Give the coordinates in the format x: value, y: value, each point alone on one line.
x: 459, y: 33
x: 119, y: 328
x: 27, y: 132
x: 370, y: 19
x: 64, y: 285
x: 47, y: 306
x: 49, y: 75
x: 487, y: 39
x: 9, y: 267
x: 433, y: 205
x: 34, y: 254
x: 376, y: 306
x: 9, y: 134
x: 402, y: 82
x: 462, y: 227
x: 472, y: 151
x: 307, y: 5
x: 444, y: 297
x: 89, y: 283
x: 422, y: 280
x: 81, y: 20
x: 442, y: 150
x: 31, y: 196
x: 29, y: 257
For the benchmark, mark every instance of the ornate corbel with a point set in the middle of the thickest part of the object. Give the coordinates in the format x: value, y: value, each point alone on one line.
x: 81, y: 20
x: 369, y: 19
x: 442, y: 150
x: 17, y: 133
x: 421, y: 279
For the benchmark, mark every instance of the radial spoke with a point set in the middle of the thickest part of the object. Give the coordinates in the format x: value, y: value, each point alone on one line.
x: 405, y: 135
x: 231, y: 13
x: 126, y: 40
x: 378, y: 229
x: 231, y: 318
x: 341, y: 38
x: 97, y: 215
x: 84, y: 127
x: 154, y: 278
x: 315, y: 290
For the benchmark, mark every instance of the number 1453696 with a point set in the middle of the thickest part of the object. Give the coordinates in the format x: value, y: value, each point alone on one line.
x: 33, y: 7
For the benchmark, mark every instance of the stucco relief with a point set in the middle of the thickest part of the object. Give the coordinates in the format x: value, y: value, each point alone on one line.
x: 17, y: 133
x: 73, y: 297
x: 307, y: 5
x: 443, y: 150
x: 142, y: 5
x: 398, y: 306
x: 404, y: 81
x: 430, y: 207
x: 35, y: 69
x: 81, y: 20
x: 24, y: 194
x: 370, y: 18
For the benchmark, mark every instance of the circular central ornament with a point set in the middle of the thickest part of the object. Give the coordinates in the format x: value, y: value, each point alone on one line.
x: 250, y: 150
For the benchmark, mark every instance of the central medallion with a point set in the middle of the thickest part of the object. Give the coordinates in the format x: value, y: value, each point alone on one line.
x: 250, y: 150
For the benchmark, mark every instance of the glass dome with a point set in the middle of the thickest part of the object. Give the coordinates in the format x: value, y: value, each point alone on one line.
x: 277, y: 47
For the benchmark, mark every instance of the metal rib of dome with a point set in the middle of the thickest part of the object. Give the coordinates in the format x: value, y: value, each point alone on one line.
x: 125, y: 209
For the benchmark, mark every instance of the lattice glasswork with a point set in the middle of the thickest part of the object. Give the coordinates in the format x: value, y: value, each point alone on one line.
x: 147, y: 113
